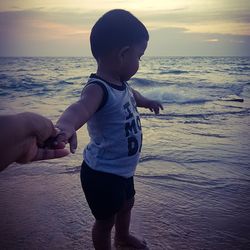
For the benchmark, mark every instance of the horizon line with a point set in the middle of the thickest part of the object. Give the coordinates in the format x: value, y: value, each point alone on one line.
x: 142, y: 58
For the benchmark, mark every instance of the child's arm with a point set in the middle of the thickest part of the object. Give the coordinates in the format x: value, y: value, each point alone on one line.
x: 77, y: 114
x: 144, y: 102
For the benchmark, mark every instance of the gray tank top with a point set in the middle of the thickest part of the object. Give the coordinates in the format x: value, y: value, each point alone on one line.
x: 115, y: 131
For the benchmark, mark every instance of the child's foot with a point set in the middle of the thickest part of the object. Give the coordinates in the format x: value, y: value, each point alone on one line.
x: 131, y: 243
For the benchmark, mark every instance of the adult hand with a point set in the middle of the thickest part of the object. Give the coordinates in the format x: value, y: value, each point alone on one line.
x: 23, y: 139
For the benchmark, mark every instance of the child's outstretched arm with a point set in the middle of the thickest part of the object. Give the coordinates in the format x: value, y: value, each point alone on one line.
x: 144, y: 102
x: 77, y: 114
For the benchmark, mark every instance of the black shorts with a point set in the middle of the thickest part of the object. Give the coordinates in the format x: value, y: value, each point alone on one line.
x: 104, y: 192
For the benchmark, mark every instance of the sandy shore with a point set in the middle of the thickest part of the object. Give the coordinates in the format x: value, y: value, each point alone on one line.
x: 49, y: 211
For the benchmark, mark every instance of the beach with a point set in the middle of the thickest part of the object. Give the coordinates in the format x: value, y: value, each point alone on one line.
x: 192, y: 182
x: 44, y: 211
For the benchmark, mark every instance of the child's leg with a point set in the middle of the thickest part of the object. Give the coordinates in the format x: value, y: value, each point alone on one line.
x: 101, y: 233
x: 122, y: 223
x: 123, y: 220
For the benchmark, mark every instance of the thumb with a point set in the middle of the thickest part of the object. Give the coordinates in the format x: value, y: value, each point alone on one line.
x: 46, y: 154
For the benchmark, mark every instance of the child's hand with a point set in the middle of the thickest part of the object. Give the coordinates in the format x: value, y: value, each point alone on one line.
x: 154, y: 106
x: 66, y: 135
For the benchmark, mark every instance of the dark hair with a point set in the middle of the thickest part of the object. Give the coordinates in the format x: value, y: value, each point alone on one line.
x: 115, y: 29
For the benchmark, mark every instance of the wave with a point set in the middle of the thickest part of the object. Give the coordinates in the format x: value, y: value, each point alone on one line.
x: 184, y: 178
x: 75, y: 78
x: 151, y: 158
x: 22, y: 85
x: 209, y: 135
x: 185, y: 86
x: 63, y: 82
x: 174, y: 94
x: 73, y: 170
x: 194, y: 180
x: 142, y: 82
x: 3, y: 76
x: 195, y: 115
x: 30, y: 83
x: 169, y: 159
x: 173, y: 72
x: 22, y: 70
x: 242, y: 68
x: 232, y: 98
x: 189, y: 92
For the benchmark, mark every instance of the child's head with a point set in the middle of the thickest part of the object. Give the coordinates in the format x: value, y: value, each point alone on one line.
x: 116, y: 30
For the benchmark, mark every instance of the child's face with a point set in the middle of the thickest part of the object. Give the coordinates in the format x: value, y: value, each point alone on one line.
x: 131, y: 60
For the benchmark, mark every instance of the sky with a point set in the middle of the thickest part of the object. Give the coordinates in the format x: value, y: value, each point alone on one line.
x: 176, y: 27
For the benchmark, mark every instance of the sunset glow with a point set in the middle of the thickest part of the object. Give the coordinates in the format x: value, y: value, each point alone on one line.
x: 23, y: 23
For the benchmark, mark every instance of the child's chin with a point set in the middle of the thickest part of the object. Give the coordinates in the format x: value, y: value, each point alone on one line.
x: 125, y: 78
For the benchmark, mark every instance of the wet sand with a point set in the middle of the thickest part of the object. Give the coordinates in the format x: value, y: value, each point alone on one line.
x: 49, y: 211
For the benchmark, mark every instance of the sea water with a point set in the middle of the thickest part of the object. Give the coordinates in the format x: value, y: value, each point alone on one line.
x: 193, y: 178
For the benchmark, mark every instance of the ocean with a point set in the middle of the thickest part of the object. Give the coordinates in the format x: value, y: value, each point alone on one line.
x: 193, y: 178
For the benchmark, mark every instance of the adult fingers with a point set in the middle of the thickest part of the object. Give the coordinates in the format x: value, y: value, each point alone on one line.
x: 52, y: 141
x: 59, y: 145
x: 31, y: 152
x: 45, y: 154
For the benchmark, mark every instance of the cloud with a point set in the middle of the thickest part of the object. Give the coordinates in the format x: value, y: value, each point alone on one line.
x: 74, y: 18
x: 224, y: 22
x: 36, y: 32
x: 66, y: 32
x: 179, y: 42
x: 212, y: 40
x: 43, y: 25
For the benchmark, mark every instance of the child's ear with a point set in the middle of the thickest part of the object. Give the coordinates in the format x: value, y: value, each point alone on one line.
x: 122, y: 52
